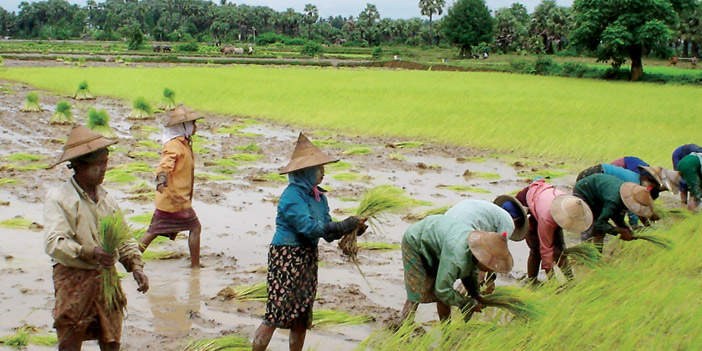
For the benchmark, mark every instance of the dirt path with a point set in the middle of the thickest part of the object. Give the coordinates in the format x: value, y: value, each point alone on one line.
x: 238, y: 221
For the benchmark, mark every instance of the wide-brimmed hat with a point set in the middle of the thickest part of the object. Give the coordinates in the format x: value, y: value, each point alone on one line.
x: 637, y: 199
x: 655, y: 173
x: 82, y: 141
x: 522, y: 226
x: 671, y: 180
x: 571, y: 213
x: 490, y: 249
x: 181, y: 114
x: 306, y: 155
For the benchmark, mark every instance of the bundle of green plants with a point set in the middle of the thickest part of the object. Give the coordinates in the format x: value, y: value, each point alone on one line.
x: 23, y: 156
x: 463, y: 188
x: 654, y: 239
x: 585, y: 254
x: 26, y: 335
x: 426, y: 213
x: 513, y: 300
x: 63, y: 114
x: 379, y: 246
x: 249, y: 148
x: 150, y: 255
x: 141, y: 109
x: 168, y: 100
x: 83, y: 93
x: 114, y: 231
x: 331, y: 317
x: 357, y: 151
x: 32, y: 103
x: 99, y: 121
x: 253, y: 292
x: 226, y: 343
x: 20, y: 222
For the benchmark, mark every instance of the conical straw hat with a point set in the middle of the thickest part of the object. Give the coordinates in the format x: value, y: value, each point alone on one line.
x: 671, y: 180
x: 306, y: 155
x: 637, y: 199
x: 82, y: 141
x: 522, y: 226
x: 181, y: 114
x: 571, y: 213
x: 491, y: 250
x: 655, y: 172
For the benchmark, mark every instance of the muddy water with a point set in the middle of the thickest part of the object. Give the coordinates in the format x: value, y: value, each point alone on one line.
x: 238, y: 217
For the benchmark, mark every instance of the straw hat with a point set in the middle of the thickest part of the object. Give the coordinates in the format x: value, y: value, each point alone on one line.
x: 306, y: 155
x: 82, y: 141
x: 571, y: 213
x: 637, y: 199
x: 655, y: 172
x: 522, y: 226
x: 671, y: 180
x: 181, y: 114
x: 490, y: 249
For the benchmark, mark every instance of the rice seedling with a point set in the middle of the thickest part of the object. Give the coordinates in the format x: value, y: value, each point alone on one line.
x: 377, y: 246
x: 167, y: 100
x: 63, y: 114
x: 514, y: 300
x: 150, y: 255
x: 245, y: 157
x: 357, y: 151
x: 26, y: 335
x: 119, y: 176
x: 585, y: 254
x: 481, y: 175
x: 144, y: 154
x: 663, y: 243
x: 405, y: 144
x: 275, y: 177
x: 211, y: 177
x: 141, y: 109
x: 226, y: 343
x: 81, y: 62
x: 426, y: 213
x: 151, y: 129
x: 232, y: 129
x: 21, y: 156
x: 148, y: 143
x: 7, y: 181
x: 471, y: 159
x: 20, y: 222
x: 25, y: 167
x: 141, y: 188
x: 546, y: 173
x: 99, y: 121
x: 338, y: 166
x: 114, y: 231
x: 253, y: 292
x: 134, y: 167
x: 83, y: 93
x: 32, y: 103
x: 397, y: 157
x: 351, y: 177
x: 331, y: 317
x: 252, y: 147
x: 463, y: 189
x: 144, y: 218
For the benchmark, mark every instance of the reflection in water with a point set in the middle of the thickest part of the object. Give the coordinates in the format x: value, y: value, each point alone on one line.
x: 174, y: 313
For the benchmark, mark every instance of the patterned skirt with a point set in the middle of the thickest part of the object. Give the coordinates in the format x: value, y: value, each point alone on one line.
x: 590, y: 171
x: 169, y: 224
x: 419, y: 281
x: 292, y: 286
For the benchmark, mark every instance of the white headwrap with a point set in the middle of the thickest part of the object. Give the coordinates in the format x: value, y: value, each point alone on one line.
x: 184, y: 129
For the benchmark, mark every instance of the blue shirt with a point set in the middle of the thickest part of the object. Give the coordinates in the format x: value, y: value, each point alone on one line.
x: 683, y: 151
x: 622, y: 173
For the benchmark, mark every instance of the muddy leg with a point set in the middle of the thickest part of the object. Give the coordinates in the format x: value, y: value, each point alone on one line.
x: 533, y: 264
x: 109, y: 346
x: 146, y: 240
x: 443, y: 310
x: 409, y: 308
x: 683, y: 197
x: 73, y: 342
x: 262, y: 337
x: 297, y: 337
x: 194, y: 246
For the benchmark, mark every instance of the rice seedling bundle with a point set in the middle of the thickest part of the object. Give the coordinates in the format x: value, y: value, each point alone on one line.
x: 168, y: 100
x: 227, y: 343
x: 331, y: 317
x: 654, y: 239
x: 83, y: 93
x: 99, y: 121
x: 141, y: 109
x: 162, y: 255
x: 114, y: 231
x: 28, y: 334
x: 20, y: 222
x: 63, y: 114
x: 23, y: 156
x: 585, y: 254
x: 254, y: 292
x: 513, y: 300
x: 378, y: 246
x: 32, y: 103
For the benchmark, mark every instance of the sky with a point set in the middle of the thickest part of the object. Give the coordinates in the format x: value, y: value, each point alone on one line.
x: 387, y: 8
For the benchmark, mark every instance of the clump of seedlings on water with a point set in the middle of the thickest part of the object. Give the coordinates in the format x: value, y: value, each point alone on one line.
x: 377, y: 246
x: 226, y: 343
x: 63, y: 114
x: 83, y: 93
x: 114, y: 231
x: 32, y: 103
x: 253, y: 292
x: 167, y: 100
x: 331, y: 317
x: 99, y: 121
x: 28, y: 334
x: 141, y: 109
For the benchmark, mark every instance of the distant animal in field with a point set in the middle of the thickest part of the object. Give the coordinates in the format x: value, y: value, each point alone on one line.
x: 156, y: 48
x: 166, y: 48
x: 230, y: 50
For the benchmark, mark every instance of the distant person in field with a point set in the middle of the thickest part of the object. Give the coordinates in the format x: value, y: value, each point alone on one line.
x: 303, y: 218
x: 678, y: 155
x: 631, y: 163
x: 691, y: 173
x: 72, y: 215
x: 608, y: 198
x: 439, y: 250
x: 175, y: 177
x: 550, y: 212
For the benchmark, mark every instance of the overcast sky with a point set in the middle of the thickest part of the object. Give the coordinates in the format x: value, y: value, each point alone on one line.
x: 387, y: 8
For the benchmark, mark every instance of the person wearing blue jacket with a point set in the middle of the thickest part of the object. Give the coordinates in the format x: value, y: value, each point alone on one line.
x: 303, y: 218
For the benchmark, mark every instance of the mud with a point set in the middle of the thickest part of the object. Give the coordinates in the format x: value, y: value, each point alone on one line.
x: 238, y: 217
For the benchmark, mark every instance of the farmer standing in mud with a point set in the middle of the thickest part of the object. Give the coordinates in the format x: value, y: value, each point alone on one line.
x: 72, y: 213
x: 678, y: 155
x: 175, y: 177
x: 437, y: 251
x: 303, y: 217
x: 608, y: 198
x: 690, y: 168
x: 550, y: 211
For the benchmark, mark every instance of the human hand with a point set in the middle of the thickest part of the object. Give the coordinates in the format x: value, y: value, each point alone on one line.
x: 160, y: 187
x: 362, y: 226
x: 142, y: 280
x: 103, y: 258
x: 625, y: 234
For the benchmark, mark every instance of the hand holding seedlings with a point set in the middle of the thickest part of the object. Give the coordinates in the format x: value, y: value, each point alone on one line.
x: 625, y: 233
x: 105, y: 259
x: 362, y: 226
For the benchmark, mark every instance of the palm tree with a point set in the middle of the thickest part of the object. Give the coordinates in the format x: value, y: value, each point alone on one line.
x: 311, y: 15
x: 429, y: 8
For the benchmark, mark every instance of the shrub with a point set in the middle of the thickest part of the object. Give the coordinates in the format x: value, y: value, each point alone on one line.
x: 294, y: 41
x: 311, y: 49
x: 268, y: 38
x: 189, y: 47
x: 136, y: 39
x: 377, y: 53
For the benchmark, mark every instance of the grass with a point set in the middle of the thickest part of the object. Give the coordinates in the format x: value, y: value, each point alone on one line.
x: 331, y: 317
x: 119, y: 176
x: 245, y: 157
x: 225, y: 343
x: 150, y: 255
x: 252, y: 147
x: 357, y: 151
x: 276, y: 177
x: 338, y: 166
x: 546, y: 173
x: 351, y: 177
x: 253, y: 292
x: 584, y: 253
x: 144, y: 218
x: 481, y: 175
x: 26, y: 335
x: 464, y: 189
x: 7, y: 181
x: 21, y: 156
x: 149, y: 144
x: 18, y: 223
x: 377, y: 246
x: 26, y: 167
x: 658, y: 241
x: 397, y: 157
x: 144, y: 154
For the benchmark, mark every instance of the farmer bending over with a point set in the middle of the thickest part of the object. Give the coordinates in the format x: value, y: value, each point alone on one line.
x: 631, y: 163
x: 690, y: 171
x: 678, y: 155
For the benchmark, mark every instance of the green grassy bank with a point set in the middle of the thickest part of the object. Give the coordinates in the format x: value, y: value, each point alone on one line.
x: 575, y: 119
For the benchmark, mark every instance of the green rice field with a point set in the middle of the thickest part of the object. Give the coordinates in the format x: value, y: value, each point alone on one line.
x: 575, y: 119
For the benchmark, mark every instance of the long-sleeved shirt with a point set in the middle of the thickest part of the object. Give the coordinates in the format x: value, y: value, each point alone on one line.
x: 631, y: 163
x: 539, y: 198
x: 683, y: 151
x: 482, y: 215
x: 601, y: 193
x: 627, y: 176
x: 177, y: 162
x: 72, y: 222
x: 443, y: 243
x: 301, y: 218
x: 690, y: 168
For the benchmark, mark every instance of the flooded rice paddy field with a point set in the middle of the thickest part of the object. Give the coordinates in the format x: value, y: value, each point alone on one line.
x: 235, y: 197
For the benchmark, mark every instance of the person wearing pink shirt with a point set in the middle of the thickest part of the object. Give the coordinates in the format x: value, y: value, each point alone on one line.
x: 550, y: 211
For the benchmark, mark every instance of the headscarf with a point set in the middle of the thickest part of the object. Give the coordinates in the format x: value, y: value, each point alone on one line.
x: 307, y: 179
x: 184, y: 129
x: 512, y: 209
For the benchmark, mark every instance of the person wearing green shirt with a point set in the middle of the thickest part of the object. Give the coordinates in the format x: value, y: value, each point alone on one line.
x: 439, y: 250
x: 690, y: 168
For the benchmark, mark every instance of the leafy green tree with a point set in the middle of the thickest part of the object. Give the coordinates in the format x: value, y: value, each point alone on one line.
x: 511, y: 25
x: 430, y: 8
x: 367, y: 23
x: 310, y: 17
x: 551, y: 23
x: 468, y: 23
x: 619, y: 29
x: 689, y: 31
